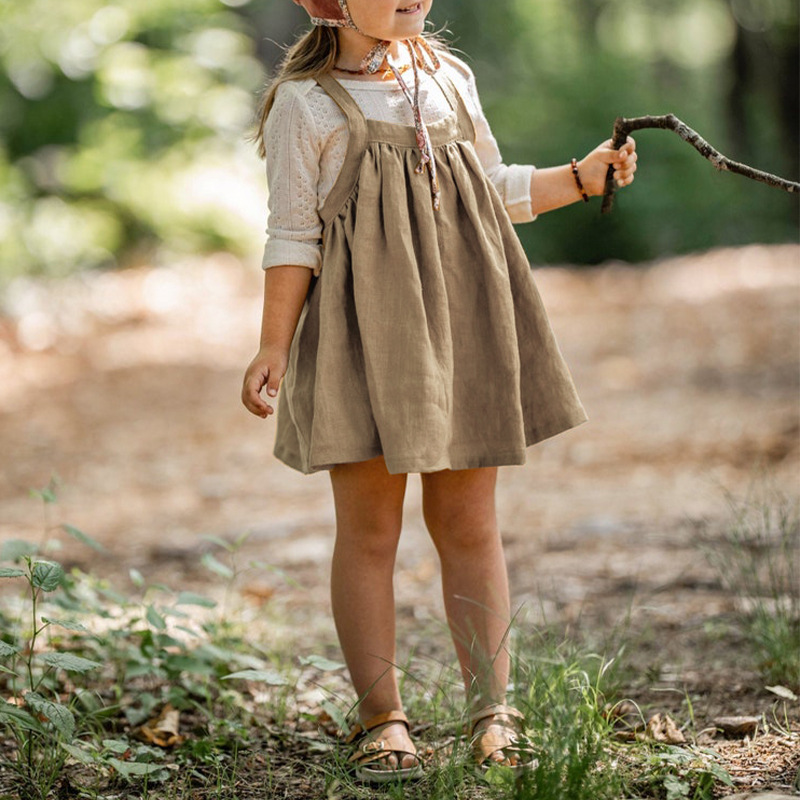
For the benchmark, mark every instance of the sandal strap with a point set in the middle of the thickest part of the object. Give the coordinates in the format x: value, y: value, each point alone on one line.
x: 360, y: 728
x: 494, y: 710
x: 382, y: 748
x: 503, y: 736
x: 383, y: 745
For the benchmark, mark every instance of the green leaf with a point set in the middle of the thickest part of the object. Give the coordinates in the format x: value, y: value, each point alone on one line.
x: 213, y: 652
x: 264, y: 676
x: 676, y: 788
x: 48, y: 494
x: 211, y: 563
x: 69, y: 624
x: 720, y: 773
x: 47, y: 575
x: 131, y: 768
x: 136, y: 578
x: 7, y: 649
x: 335, y: 713
x: 192, y: 599
x: 241, y: 539
x: 69, y: 662
x: 118, y: 746
x: 11, y: 572
x: 84, y: 538
x: 187, y: 663
x: 320, y: 662
x: 15, y: 716
x: 155, y: 619
x: 80, y: 754
x: 61, y: 717
x: 184, y: 629
x: 15, y: 549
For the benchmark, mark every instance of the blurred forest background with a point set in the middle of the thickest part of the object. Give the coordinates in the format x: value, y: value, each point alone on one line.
x: 123, y: 125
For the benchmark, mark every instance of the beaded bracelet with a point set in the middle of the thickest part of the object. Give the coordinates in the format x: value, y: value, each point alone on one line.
x: 574, y: 164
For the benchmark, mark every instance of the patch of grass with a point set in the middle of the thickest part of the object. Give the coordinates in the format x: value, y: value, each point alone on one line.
x: 87, y: 674
x: 84, y: 666
x: 757, y: 558
x: 667, y: 772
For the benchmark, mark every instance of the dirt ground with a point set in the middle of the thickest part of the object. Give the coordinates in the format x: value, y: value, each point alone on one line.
x: 125, y: 385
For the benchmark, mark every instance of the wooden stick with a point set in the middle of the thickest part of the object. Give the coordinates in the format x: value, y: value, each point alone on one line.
x: 623, y: 126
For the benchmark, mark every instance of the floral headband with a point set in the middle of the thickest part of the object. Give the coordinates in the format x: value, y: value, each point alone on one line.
x: 328, y: 12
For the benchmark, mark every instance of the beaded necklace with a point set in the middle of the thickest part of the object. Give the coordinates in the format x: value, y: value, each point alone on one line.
x: 385, y: 74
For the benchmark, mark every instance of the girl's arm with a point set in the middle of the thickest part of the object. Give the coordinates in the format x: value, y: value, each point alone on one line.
x: 554, y: 187
x: 285, y: 290
x: 525, y: 190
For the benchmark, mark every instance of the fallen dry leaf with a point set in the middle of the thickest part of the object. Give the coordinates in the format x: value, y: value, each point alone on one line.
x: 662, y: 728
x: 162, y: 730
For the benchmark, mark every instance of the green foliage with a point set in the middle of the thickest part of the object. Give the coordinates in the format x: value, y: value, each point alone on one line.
x: 122, y: 127
x: 124, y: 122
x: 554, y: 75
x: 560, y: 689
x: 51, y: 718
x: 37, y: 722
x: 679, y: 773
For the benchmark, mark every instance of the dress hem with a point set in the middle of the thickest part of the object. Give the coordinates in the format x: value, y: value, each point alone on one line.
x: 514, y: 456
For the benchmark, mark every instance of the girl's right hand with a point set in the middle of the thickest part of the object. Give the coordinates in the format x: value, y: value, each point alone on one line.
x: 266, y: 369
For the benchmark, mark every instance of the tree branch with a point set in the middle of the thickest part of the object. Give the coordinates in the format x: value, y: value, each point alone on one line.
x: 623, y: 126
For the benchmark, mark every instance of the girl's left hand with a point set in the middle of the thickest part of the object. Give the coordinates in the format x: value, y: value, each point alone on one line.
x: 593, y: 168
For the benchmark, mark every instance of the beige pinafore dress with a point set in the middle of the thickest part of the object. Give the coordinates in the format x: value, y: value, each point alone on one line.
x: 424, y: 338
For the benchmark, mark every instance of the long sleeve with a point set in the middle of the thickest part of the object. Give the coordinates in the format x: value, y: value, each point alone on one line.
x: 294, y: 229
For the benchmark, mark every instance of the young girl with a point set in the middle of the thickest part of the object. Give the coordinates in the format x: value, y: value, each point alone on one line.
x: 403, y: 326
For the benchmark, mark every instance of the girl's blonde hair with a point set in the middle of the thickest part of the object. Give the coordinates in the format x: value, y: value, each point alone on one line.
x: 312, y: 54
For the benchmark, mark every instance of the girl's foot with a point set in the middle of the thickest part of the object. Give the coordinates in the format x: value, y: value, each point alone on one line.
x: 384, y: 751
x: 497, y: 738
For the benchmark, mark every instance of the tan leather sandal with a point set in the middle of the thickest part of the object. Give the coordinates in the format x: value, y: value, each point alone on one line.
x: 375, y: 750
x: 505, y: 736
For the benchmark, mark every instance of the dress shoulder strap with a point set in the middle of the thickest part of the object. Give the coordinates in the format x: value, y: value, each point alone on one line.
x: 356, y: 144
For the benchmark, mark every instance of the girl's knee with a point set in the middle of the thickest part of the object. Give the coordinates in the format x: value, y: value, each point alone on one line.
x: 463, y: 526
x: 460, y: 507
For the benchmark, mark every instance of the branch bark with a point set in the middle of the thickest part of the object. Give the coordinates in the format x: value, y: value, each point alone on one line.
x: 624, y: 126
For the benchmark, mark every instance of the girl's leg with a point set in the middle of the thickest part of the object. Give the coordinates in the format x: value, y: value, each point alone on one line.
x: 459, y: 509
x: 369, y: 512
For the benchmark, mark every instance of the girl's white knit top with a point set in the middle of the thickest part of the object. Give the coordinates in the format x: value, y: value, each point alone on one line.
x: 306, y: 140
